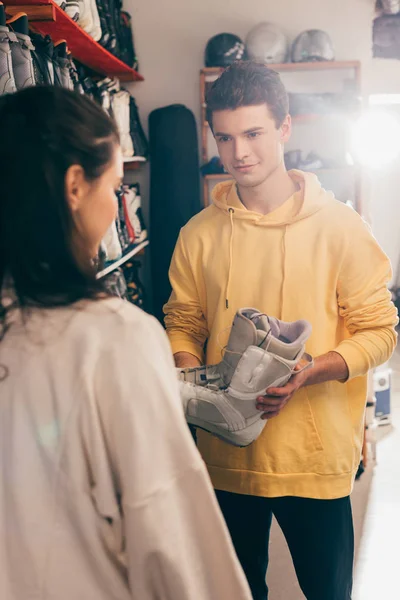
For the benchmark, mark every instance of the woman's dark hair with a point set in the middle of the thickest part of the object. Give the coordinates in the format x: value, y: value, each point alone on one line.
x: 45, y: 130
x: 248, y: 83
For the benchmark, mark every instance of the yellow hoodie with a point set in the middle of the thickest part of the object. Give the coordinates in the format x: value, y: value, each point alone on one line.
x: 313, y: 258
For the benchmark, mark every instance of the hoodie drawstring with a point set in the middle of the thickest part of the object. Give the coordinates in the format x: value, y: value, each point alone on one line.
x: 283, y: 268
x: 231, y: 211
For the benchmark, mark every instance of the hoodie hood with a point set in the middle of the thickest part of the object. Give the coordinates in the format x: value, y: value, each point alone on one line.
x: 310, y: 198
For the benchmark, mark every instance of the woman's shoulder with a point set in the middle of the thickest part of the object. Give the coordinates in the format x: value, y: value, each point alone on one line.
x: 86, y: 327
x: 111, y: 310
x: 89, y: 323
x: 112, y: 316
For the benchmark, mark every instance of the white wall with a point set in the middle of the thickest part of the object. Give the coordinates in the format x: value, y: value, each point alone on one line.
x: 170, y: 36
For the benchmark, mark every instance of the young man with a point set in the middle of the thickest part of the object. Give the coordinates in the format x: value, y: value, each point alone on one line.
x: 279, y: 242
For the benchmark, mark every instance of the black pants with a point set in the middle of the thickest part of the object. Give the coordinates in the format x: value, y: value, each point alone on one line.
x: 319, y: 534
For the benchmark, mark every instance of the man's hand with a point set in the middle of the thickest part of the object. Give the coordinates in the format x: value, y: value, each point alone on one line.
x: 277, y: 398
x: 328, y: 367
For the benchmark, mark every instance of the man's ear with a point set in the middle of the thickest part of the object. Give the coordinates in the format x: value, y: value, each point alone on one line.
x: 75, y: 186
x: 286, y: 129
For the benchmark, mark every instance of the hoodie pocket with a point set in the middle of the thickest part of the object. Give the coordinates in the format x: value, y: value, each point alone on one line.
x: 291, y: 442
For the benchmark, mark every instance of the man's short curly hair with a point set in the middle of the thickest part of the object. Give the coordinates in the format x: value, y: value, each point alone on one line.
x: 248, y: 83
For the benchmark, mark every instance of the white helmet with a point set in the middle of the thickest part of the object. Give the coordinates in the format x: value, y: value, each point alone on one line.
x: 266, y: 43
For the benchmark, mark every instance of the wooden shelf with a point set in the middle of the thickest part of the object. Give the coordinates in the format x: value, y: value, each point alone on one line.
x: 343, y: 169
x: 305, y: 66
x: 217, y: 177
x: 46, y: 17
x: 117, y: 263
x: 130, y: 159
x: 41, y: 12
x: 312, y: 118
x: 299, y: 119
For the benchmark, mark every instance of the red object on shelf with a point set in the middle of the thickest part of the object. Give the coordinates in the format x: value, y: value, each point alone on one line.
x: 82, y: 46
x: 129, y: 227
x: 133, y: 165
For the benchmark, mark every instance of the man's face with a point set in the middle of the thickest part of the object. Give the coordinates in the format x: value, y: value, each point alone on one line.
x: 249, y: 144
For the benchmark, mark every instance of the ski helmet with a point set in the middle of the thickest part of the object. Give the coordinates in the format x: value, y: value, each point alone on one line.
x: 224, y: 49
x: 266, y: 43
x: 312, y: 45
x: 386, y: 37
x: 391, y: 7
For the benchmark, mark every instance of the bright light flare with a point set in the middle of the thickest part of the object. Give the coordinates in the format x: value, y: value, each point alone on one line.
x: 375, y: 138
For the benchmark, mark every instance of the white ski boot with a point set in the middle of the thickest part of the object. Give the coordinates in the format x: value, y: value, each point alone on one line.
x: 262, y: 352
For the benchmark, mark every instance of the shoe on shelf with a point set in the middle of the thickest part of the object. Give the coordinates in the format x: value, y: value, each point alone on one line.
x: 127, y: 46
x: 77, y: 86
x: 61, y: 3
x: 138, y: 136
x: 3, y: 19
x: 114, y: 15
x: 62, y: 60
x: 96, y: 32
x: 135, y: 292
x: 213, y: 167
x: 42, y: 58
x: 114, y: 85
x: 107, y: 89
x: 72, y: 9
x: 120, y: 109
x: 103, y: 10
x: 7, y: 81
x: 134, y: 209
x: 89, y: 18
x: 86, y: 82
x: 22, y: 61
x: 57, y: 70
x: 295, y: 159
x: 85, y: 15
x: 109, y: 37
x: 111, y: 245
x: 111, y: 42
x: 262, y: 352
x: 105, y: 94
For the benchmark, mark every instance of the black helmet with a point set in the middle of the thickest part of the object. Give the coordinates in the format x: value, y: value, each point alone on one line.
x: 312, y: 45
x: 224, y: 49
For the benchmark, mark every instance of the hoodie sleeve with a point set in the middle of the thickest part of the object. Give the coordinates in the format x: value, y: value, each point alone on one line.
x: 177, y: 546
x: 184, y: 318
x: 365, y: 303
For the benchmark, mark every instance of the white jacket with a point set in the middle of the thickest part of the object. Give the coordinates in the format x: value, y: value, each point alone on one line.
x: 103, y: 495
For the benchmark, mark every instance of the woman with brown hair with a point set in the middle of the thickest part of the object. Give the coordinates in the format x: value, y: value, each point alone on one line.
x: 102, y: 492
